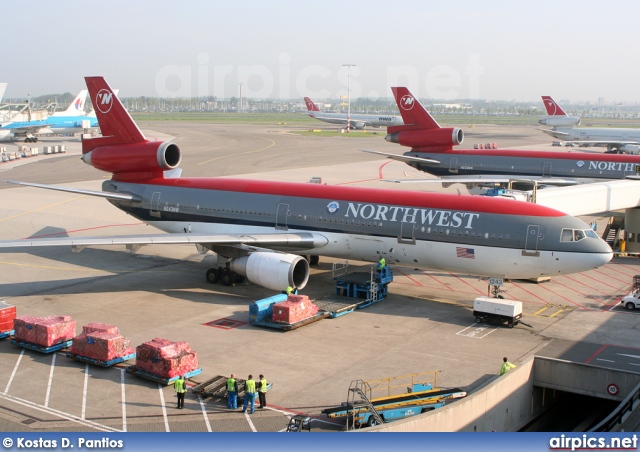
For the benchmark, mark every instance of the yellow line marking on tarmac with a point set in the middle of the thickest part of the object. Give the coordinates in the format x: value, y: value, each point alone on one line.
x: 42, y: 208
x: 539, y: 311
x: 273, y: 143
x: 83, y: 269
x: 556, y: 313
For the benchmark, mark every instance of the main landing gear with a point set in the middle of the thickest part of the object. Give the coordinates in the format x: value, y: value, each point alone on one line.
x: 224, y: 275
x: 31, y: 140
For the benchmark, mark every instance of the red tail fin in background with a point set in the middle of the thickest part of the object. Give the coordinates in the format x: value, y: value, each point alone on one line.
x: 553, y: 109
x: 310, y: 105
x: 413, y: 113
x: 116, y: 124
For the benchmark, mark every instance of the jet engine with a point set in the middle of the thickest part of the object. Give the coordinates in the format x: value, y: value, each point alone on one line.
x: 431, y: 139
x: 146, y: 157
x: 357, y: 125
x: 559, y: 121
x: 274, y: 271
x: 630, y: 149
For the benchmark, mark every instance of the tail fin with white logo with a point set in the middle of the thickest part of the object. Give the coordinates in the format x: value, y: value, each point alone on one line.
x: 3, y: 86
x: 553, y: 109
x: 420, y: 131
x: 76, y: 108
x: 310, y: 105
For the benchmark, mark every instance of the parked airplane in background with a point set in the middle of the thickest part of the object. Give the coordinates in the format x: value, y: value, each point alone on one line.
x: 432, y: 152
x: 621, y: 140
x: 260, y: 228
x: 357, y: 121
x: 3, y: 87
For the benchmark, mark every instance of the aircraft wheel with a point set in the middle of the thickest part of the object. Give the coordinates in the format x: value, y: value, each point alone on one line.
x: 630, y: 306
x: 501, y: 296
x: 314, y: 260
x: 239, y: 279
x: 227, y: 278
x: 213, y: 275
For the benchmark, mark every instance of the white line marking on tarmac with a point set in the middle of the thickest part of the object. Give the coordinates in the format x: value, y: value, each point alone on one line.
x: 124, y: 402
x: 164, y: 409
x: 67, y: 416
x: 606, y: 360
x: 15, y: 369
x: 253, y: 427
x: 84, y: 391
x: 204, y: 413
x: 634, y: 364
x: 628, y: 356
x: 53, y: 366
x: 477, y: 331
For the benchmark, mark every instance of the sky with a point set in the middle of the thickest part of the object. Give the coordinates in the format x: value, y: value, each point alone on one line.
x: 446, y: 49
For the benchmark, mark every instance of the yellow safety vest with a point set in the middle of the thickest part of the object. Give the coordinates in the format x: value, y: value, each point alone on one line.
x: 263, y: 385
x: 250, y: 386
x: 289, y: 290
x: 382, y: 263
x: 231, y: 384
x: 179, y: 386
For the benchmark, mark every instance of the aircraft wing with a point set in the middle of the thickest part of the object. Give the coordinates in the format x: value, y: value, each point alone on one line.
x: 23, y: 129
x: 405, y: 158
x: 303, y: 240
x: 553, y: 133
x: 102, y: 194
x: 601, y: 143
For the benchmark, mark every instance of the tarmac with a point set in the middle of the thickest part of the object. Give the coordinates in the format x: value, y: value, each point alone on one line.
x: 425, y: 324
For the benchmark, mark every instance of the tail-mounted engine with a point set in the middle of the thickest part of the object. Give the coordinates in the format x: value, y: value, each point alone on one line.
x: 150, y: 158
x: 433, y: 140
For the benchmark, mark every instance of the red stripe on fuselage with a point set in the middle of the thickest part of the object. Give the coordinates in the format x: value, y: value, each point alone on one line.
x: 443, y: 201
x: 549, y: 155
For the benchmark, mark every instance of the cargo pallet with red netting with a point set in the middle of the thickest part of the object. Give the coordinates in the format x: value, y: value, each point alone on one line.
x: 99, y: 362
x: 42, y: 348
x: 139, y: 372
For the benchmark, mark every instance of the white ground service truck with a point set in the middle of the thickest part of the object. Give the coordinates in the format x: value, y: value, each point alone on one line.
x: 497, y: 310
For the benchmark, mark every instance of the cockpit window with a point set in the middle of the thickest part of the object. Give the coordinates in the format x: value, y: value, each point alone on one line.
x: 575, y: 235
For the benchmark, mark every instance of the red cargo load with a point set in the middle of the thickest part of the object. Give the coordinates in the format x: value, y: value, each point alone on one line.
x: 44, y: 331
x: 297, y: 298
x: 7, y: 315
x: 101, y: 342
x: 166, y: 359
x: 293, y: 311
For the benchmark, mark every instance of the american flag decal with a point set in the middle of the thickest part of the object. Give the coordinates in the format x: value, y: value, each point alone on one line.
x: 465, y: 253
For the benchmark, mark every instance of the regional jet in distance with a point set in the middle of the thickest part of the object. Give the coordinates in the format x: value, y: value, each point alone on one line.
x: 357, y: 121
x: 261, y: 228
x: 432, y: 152
x: 616, y: 140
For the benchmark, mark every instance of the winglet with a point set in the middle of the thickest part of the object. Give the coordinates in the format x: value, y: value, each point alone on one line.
x: 414, y: 115
x: 310, y: 105
x: 553, y: 109
x: 116, y: 124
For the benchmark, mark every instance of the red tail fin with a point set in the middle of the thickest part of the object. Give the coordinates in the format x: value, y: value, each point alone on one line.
x: 412, y: 111
x: 310, y: 105
x: 553, y: 109
x: 116, y: 124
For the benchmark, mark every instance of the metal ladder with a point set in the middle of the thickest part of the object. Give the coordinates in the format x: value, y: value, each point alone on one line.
x: 356, y: 401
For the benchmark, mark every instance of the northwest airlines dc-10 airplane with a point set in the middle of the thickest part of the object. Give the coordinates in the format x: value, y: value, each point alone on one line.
x: 623, y: 140
x: 357, y: 121
x: 432, y: 152
x: 260, y: 228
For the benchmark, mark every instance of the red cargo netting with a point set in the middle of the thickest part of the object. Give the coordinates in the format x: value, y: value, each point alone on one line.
x: 7, y: 315
x: 44, y: 331
x: 166, y: 359
x: 295, y: 309
x: 101, y: 342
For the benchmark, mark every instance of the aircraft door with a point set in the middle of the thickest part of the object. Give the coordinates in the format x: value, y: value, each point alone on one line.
x: 531, y: 242
x: 453, y: 165
x: 155, y: 204
x: 407, y: 233
x: 281, y: 216
x: 546, y: 169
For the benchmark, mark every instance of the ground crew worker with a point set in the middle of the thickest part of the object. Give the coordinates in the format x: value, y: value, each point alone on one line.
x: 289, y: 290
x: 232, y: 392
x: 262, y: 391
x: 506, y: 366
x: 181, y: 389
x: 249, y: 394
x: 381, y: 263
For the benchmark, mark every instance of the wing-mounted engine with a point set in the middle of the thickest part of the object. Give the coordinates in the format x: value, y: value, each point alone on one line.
x: 358, y: 125
x: 559, y: 121
x: 146, y: 159
x: 426, y: 140
x: 274, y: 271
x: 629, y: 149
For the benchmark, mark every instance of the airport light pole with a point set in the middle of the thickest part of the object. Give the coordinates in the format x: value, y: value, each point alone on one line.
x: 348, y: 95
x: 240, y: 109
